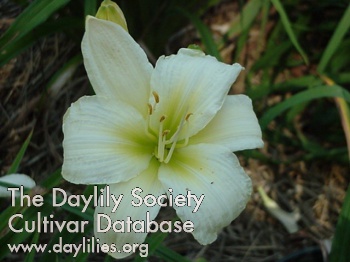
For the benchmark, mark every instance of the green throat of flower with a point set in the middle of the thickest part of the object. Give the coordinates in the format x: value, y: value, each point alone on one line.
x: 167, y: 140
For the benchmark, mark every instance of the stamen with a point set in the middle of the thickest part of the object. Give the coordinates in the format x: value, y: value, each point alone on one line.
x: 176, y: 134
x: 173, y: 140
x: 187, y: 138
x: 160, y: 153
x: 150, y: 109
x: 188, y: 116
x: 156, y: 96
x: 166, y: 132
x: 164, y: 151
x: 170, y: 153
x: 150, y: 133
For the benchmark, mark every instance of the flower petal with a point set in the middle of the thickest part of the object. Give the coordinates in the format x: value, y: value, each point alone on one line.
x: 215, y: 172
x: 16, y: 179
x: 116, y: 65
x: 235, y: 126
x: 104, y: 142
x: 149, y: 183
x: 190, y: 84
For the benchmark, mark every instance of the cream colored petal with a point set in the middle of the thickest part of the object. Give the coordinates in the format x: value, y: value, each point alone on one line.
x: 190, y: 84
x: 116, y: 65
x: 148, y: 182
x: 235, y: 126
x: 15, y: 179
x: 212, y: 171
x: 104, y: 142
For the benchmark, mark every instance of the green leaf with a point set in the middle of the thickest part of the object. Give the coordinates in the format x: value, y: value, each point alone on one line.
x: 65, y: 237
x: 243, y: 21
x: 205, y: 34
x: 90, y: 7
x: 241, y: 43
x: 14, y: 167
x: 29, y: 214
x: 153, y: 241
x: 272, y: 56
x: 294, y: 84
x: 288, y: 27
x: 52, y: 180
x: 339, y: 33
x: 36, y: 13
x: 301, y: 97
x: 340, y: 247
x: 20, y: 44
x: 31, y: 255
x: 166, y: 254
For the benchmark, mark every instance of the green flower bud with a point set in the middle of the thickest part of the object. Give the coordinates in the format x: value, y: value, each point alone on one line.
x: 110, y: 11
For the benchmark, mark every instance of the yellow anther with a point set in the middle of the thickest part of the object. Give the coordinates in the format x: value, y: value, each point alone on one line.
x: 162, y: 119
x: 166, y: 132
x: 188, y: 116
x: 150, y: 109
x: 156, y: 96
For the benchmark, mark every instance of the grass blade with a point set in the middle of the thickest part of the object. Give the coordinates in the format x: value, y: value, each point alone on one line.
x: 19, y: 44
x: 30, y: 257
x: 14, y: 167
x: 301, y: 97
x: 205, y: 34
x: 243, y: 21
x: 166, y: 254
x: 343, y: 111
x: 288, y: 27
x: 90, y: 7
x: 340, y: 247
x: 153, y: 241
x: 342, y: 29
x: 36, y: 13
x: 29, y: 214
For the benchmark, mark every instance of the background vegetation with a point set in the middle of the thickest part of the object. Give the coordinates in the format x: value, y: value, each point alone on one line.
x: 296, y: 55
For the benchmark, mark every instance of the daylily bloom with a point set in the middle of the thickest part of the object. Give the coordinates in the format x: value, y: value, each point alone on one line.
x: 15, y: 179
x: 168, y: 126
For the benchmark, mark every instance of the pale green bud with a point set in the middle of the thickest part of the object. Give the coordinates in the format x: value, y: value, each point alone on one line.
x: 110, y: 11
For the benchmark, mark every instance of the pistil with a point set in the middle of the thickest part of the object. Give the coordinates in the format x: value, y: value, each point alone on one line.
x: 166, y: 147
x: 161, y: 140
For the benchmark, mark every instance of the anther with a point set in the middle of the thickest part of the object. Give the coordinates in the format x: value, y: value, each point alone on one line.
x: 150, y: 109
x: 188, y: 116
x: 166, y: 132
x: 156, y: 96
x: 162, y: 118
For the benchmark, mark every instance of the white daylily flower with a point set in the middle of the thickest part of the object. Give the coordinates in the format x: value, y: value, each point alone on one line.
x: 15, y: 179
x: 172, y: 126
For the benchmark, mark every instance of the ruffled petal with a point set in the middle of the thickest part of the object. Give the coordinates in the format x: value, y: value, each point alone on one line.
x: 116, y: 65
x: 148, y: 182
x: 212, y: 171
x: 235, y: 126
x: 104, y: 142
x: 191, y: 86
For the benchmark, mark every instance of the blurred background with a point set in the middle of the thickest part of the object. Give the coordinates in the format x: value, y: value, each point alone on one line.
x: 296, y: 56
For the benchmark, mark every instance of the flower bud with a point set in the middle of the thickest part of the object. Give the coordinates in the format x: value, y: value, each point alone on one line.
x: 110, y: 11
